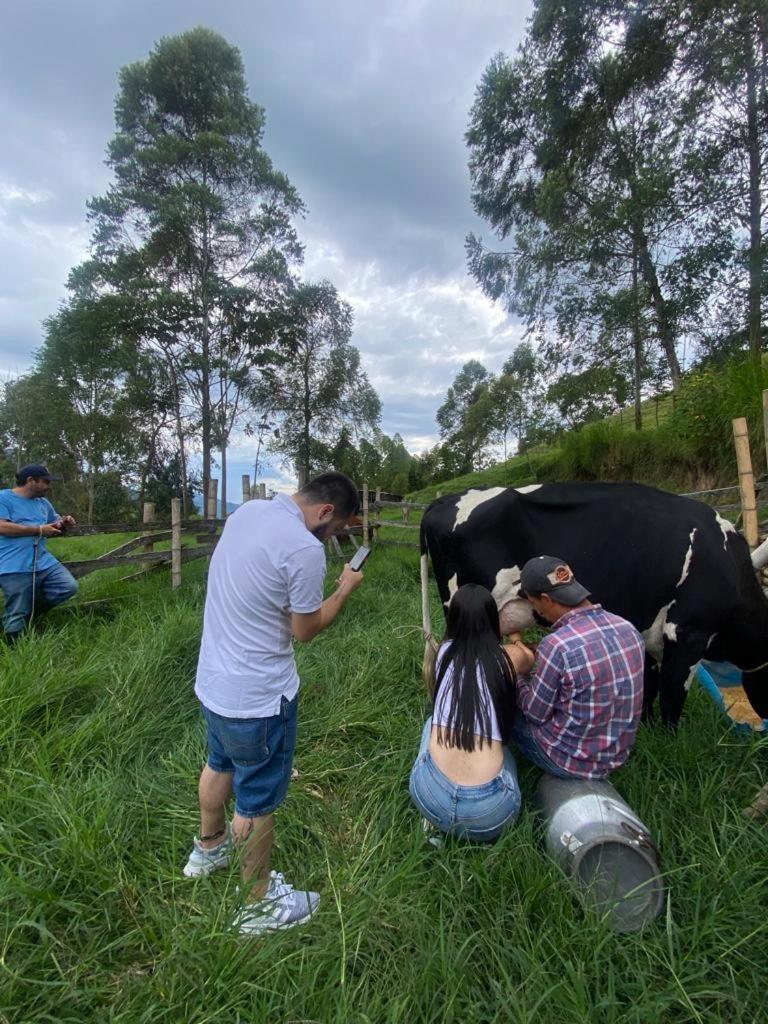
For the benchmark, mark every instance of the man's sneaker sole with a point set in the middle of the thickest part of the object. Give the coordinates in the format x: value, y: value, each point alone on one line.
x: 272, y: 926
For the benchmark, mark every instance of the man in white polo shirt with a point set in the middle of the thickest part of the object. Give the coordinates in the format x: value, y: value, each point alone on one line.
x: 265, y: 584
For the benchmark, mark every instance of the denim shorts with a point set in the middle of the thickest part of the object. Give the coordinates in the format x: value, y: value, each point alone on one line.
x: 258, y: 752
x: 481, y: 812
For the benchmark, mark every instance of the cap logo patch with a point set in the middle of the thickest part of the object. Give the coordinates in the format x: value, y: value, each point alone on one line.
x: 561, y: 574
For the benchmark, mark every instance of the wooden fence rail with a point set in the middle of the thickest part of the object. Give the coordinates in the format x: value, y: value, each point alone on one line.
x: 198, y: 525
x: 81, y: 567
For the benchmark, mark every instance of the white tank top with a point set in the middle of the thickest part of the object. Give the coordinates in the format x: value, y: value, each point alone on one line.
x: 444, y: 702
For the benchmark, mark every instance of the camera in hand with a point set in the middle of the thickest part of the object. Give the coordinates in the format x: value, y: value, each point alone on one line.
x: 358, y: 559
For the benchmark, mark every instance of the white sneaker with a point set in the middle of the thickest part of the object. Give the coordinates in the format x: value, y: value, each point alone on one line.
x: 204, y: 861
x: 282, y: 907
x: 432, y: 834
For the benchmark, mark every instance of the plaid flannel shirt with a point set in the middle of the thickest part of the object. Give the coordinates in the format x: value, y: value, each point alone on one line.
x: 584, y: 697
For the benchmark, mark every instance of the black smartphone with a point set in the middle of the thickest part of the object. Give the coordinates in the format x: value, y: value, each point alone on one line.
x: 358, y: 559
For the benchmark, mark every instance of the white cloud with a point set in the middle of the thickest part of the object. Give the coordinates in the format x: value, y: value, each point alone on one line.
x: 10, y: 193
x: 366, y: 111
x: 416, y: 335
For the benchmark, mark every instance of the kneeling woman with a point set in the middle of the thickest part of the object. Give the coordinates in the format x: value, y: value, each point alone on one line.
x: 464, y: 780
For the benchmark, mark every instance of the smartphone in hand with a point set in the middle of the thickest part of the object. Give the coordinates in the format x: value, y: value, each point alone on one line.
x: 357, y: 561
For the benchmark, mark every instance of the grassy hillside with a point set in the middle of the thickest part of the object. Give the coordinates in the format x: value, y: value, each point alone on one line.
x: 516, y: 472
x: 102, y: 744
x: 685, y: 444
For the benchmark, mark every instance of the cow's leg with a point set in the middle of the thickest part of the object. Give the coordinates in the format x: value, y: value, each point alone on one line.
x: 755, y: 685
x: 650, y: 687
x: 681, y: 655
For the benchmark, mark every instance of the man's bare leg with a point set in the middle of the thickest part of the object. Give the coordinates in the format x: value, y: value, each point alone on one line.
x: 254, y: 838
x: 252, y: 835
x: 214, y: 792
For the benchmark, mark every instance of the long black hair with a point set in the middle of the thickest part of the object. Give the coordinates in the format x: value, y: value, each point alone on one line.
x: 475, y: 650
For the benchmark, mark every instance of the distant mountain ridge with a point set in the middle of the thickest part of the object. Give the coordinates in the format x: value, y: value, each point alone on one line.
x: 231, y: 505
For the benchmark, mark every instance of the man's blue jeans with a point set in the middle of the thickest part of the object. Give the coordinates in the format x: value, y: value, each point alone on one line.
x: 525, y: 742
x: 52, y: 586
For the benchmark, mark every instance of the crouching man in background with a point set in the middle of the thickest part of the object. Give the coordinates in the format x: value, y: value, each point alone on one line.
x: 265, y: 584
x: 31, y: 579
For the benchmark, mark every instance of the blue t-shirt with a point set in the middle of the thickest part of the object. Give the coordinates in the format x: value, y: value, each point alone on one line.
x: 17, y: 553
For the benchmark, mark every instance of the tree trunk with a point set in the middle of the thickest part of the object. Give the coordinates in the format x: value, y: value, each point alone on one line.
x: 91, y: 447
x: 648, y: 269
x: 90, y: 483
x: 183, y: 465
x: 637, y: 340
x: 753, y: 148
x: 180, y: 439
x: 205, y: 369
x: 660, y: 308
x: 305, y: 457
x: 147, y: 468
x: 205, y: 416
x: 91, y: 495
x: 223, y: 476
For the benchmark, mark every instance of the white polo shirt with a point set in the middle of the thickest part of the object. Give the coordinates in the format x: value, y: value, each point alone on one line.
x: 266, y: 565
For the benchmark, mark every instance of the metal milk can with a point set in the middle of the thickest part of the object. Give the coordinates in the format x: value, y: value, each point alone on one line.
x: 604, y: 847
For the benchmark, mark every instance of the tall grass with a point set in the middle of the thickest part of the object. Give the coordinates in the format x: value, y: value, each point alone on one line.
x: 101, y: 747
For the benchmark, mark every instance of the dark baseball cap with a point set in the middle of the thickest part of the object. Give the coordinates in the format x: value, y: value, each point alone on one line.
x: 547, y: 574
x: 36, y: 470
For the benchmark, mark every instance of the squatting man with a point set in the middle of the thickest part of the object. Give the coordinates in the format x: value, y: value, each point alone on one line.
x: 31, y: 579
x: 265, y: 585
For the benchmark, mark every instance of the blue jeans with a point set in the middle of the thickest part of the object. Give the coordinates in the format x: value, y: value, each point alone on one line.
x: 258, y: 753
x: 52, y: 586
x: 474, y: 812
x: 530, y: 749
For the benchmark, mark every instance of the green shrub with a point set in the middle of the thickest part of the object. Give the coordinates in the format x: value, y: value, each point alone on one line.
x: 707, y: 403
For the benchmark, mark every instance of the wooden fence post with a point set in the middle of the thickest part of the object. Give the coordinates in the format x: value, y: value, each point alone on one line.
x: 148, y: 516
x: 175, y: 543
x: 263, y: 492
x: 746, y: 481
x: 765, y: 424
x: 365, y: 514
x: 213, y: 491
x: 246, y: 488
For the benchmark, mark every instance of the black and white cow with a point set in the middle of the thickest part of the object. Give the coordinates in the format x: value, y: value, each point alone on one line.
x: 670, y: 565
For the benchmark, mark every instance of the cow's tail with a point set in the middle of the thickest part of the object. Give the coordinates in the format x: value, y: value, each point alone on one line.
x: 430, y: 644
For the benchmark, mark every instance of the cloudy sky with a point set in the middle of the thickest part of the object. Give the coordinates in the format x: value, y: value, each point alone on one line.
x: 366, y: 104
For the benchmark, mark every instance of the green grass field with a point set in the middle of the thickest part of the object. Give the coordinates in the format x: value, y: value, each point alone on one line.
x: 102, y: 744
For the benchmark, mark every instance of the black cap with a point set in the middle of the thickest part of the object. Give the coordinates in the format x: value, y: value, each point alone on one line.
x: 36, y: 470
x: 549, y: 575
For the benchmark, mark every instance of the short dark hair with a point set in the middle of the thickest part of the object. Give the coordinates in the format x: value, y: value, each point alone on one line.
x: 334, y: 489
